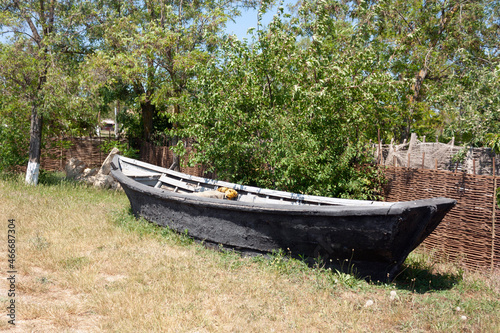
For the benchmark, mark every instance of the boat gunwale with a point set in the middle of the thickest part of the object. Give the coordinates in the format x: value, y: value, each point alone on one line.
x: 392, y: 208
x: 251, y: 189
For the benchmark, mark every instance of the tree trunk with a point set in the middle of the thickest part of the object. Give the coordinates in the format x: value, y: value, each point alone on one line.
x: 148, y: 111
x: 117, y: 126
x: 419, y: 80
x: 176, y: 160
x: 33, y: 169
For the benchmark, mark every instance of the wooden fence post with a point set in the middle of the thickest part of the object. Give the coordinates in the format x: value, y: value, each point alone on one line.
x: 61, y: 153
x: 379, y: 148
x: 99, y: 142
x: 493, y: 217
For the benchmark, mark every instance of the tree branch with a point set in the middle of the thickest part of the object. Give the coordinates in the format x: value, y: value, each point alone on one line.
x: 36, y: 37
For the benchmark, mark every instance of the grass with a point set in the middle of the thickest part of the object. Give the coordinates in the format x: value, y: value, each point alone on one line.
x: 85, y: 264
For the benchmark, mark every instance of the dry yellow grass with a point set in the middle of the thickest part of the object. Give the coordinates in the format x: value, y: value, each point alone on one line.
x: 85, y: 265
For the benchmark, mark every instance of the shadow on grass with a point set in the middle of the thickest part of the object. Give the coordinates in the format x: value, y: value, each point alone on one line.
x: 419, y: 277
x: 9, y: 176
x: 127, y: 220
x: 47, y: 178
x: 51, y: 178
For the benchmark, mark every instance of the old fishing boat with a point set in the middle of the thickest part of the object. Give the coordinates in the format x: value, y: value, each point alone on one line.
x: 369, y: 237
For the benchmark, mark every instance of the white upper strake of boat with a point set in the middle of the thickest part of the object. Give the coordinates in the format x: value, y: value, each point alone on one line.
x: 160, y: 177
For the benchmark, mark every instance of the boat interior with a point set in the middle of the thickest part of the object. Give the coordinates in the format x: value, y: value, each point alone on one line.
x: 163, y: 178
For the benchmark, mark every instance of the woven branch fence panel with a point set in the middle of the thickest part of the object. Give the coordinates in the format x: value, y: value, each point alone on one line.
x: 59, y: 150
x: 431, y: 155
x: 88, y: 150
x: 467, y: 234
x: 163, y: 156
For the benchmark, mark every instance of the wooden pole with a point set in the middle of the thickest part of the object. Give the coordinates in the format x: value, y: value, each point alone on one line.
x: 493, y: 217
x: 379, y: 148
x: 423, y: 159
x: 473, y: 166
x: 436, y: 163
x: 61, y: 153
x: 494, y: 167
x: 408, y: 160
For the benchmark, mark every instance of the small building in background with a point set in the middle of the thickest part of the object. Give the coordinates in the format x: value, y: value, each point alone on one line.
x: 108, y: 125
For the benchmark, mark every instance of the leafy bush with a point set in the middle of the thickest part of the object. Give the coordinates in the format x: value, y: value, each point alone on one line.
x: 460, y: 156
x: 125, y: 149
x: 493, y: 141
x: 131, y: 124
x: 14, y: 138
x: 288, y: 115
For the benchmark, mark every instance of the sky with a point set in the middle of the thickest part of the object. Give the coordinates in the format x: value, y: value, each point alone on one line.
x: 248, y: 19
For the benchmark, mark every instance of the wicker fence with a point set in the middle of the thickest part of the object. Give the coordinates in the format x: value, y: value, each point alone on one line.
x: 59, y: 150
x: 467, y: 234
x: 163, y: 156
x: 436, y: 155
x: 89, y: 150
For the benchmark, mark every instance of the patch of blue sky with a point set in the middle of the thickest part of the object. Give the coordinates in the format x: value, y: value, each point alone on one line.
x: 249, y: 19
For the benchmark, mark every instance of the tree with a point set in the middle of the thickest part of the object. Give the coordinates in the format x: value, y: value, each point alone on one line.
x: 153, y: 45
x: 433, y: 44
x: 38, y: 64
x: 470, y: 102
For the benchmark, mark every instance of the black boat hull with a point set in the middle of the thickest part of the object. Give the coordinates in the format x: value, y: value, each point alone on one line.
x: 371, y: 241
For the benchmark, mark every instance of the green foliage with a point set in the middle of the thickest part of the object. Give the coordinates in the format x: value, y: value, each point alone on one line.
x: 493, y: 141
x: 293, y: 120
x: 40, y: 65
x: 131, y: 123
x: 470, y: 103
x: 447, y: 53
x: 297, y: 119
x: 151, y: 47
x: 124, y: 147
x: 291, y: 110
x: 498, y: 197
x: 460, y: 156
x: 13, y: 148
x: 14, y: 138
x: 39, y: 74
